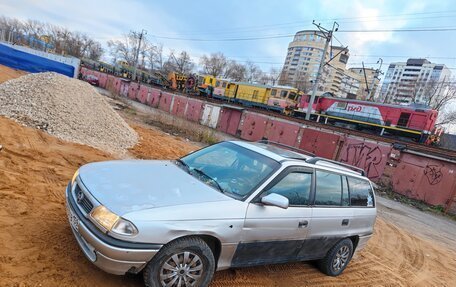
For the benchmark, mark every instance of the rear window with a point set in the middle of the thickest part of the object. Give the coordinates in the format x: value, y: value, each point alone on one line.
x: 361, y: 193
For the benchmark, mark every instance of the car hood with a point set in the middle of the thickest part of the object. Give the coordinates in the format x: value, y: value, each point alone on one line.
x: 132, y: 185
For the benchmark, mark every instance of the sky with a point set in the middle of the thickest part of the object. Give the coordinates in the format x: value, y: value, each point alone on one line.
x: 239, y: 19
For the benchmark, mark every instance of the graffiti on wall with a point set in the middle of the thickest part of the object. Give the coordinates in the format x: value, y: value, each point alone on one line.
x: 364, y: 156
x: 433, y: 174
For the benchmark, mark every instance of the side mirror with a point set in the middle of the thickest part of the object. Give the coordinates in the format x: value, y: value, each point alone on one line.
x: 275, y: 199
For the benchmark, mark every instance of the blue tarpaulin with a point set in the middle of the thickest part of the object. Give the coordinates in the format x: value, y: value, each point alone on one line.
x: 31, y: 63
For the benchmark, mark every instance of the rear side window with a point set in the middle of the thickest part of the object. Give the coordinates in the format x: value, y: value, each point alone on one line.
x: 295, y: 186
x: 328, y: 189
x: 360, y: 193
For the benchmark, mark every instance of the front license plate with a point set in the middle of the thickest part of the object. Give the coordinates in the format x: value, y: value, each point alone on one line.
x: 73, y: 219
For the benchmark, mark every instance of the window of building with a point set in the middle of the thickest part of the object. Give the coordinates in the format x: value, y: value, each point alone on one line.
x: 295, y: 186
x: 343, y: 58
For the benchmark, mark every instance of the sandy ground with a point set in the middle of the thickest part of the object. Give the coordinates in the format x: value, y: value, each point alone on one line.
x: 7, y: 73
x: 37, y: 247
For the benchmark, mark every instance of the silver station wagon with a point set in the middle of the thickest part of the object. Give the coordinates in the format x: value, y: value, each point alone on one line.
x: 232, y: 204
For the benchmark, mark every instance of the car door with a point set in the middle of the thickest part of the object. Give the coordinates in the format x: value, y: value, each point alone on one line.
x: 331, y: 215
x: 272, y: 234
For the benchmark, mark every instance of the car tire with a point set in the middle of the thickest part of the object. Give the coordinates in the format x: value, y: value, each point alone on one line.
x: 183, y: 259
x: 337, y: 258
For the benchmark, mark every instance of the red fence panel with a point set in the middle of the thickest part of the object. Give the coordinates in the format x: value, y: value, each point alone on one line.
x: 320, y: 143
x: 133, y: 90
x: 282, y: 132
x: 124, y: 87
x: 142, y: 94
x: 102, y: 80
x: 370, y: 156
x: 179, y: 106
x: 253, y: 126
x: 429, y: 180
x: 165, y: 102
x: 194, y: 110
x: 229, y: 120
x: 154, y: 97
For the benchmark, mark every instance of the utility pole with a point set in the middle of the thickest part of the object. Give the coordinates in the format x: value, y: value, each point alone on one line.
x: 141, y: 35
x: 378, y: 71
x: 365, y: 79
x: 327, y: 34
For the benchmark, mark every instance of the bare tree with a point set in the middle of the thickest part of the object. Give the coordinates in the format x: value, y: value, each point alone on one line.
x: 253, y: 72
x: 155, y: 56
x: 439, y: 94
x: 95, y: 51
x: 182, y: 63
x: 234, y: 71
x: 214, y: 64
x: 444, y: 102
x: 46, y: 36
x: 447, y: 118
x: 124, y: 49
x: 303, y: 82
x: 274, y: 74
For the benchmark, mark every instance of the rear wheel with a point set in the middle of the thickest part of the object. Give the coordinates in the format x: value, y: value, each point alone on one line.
x: 182, y: 263
x: 337, y: 258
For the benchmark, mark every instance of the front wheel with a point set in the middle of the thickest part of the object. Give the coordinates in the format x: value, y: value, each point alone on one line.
x: 184, y: 262
x: 337, y: 258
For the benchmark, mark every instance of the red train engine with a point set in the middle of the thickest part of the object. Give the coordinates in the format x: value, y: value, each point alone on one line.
x: 390, y: 120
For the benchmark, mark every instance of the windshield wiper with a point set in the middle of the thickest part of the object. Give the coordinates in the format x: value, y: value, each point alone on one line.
x: 210, y: 178
x: 181, y: 162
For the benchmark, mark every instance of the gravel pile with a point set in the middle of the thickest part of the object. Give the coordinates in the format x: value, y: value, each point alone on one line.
x: 66, y: 108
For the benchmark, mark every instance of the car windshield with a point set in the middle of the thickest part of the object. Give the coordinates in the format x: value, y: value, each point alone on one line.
x: 230, y: 168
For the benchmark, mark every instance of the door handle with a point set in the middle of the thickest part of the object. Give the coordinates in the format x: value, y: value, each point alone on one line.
x: 303, y: 223
x: 345, y: 222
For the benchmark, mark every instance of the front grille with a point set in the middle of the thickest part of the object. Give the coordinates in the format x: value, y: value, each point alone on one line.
x: 82, y: 200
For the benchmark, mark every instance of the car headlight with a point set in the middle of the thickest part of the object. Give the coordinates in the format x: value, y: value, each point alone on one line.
x: 112, y: 222
x: 74, y: 177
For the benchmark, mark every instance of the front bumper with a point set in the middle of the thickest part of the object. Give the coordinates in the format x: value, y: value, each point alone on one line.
x: 111, y: 255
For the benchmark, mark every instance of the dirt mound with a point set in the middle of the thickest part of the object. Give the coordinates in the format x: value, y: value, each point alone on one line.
x: 66, y: 108
x: 7, y: 73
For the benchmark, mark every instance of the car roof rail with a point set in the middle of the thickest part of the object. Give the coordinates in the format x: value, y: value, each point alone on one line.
x: 314, y: 160
x: 298, y: 150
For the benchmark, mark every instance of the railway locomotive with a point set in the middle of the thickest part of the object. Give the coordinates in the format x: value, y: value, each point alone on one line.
x: 412, y: 121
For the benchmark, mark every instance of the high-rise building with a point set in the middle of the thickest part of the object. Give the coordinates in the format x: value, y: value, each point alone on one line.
x: 303, y: 60
x: 369, y: 81
x: 413, y: 81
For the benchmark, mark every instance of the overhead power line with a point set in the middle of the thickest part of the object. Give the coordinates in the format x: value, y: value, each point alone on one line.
x: 432, y: 29
x: 380, y: 18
